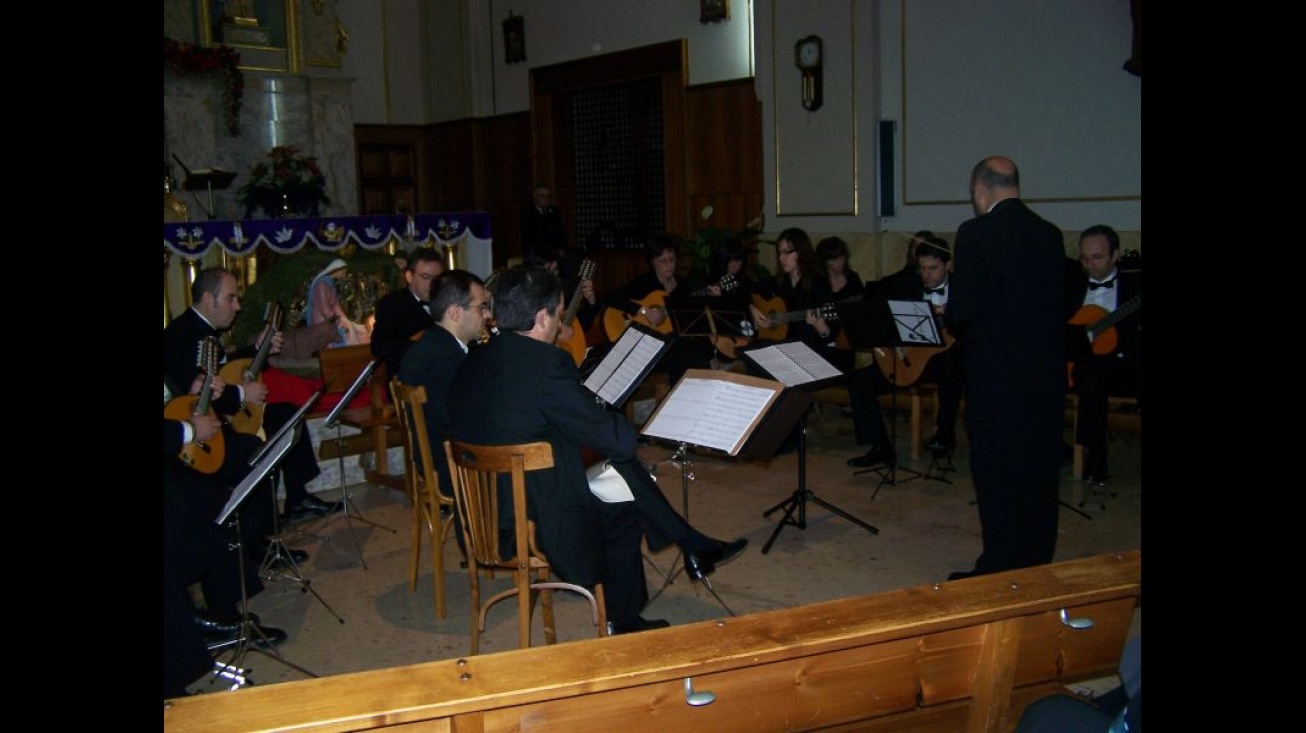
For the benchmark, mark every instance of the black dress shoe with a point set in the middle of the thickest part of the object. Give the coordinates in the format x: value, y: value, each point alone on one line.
x: 264, y: 637
x: 877, y: 455
x: 963, y: 574
x: 211, y: 623
x: 639, y: 624
x: 317, y: 506
x: 941, y: 442
x: 699, y: 565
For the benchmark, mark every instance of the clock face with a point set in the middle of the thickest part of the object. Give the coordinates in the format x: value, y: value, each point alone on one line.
x: 809, y: 53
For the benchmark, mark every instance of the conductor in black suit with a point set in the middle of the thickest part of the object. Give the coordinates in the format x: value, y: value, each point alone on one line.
x: 521, y: 388
x: 404, y: 313
x: 1007, y: 309
x: 1099, y: 371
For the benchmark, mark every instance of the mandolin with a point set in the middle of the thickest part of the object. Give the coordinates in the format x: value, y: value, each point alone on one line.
x: 203, y: 456
x: 576, y: 345
x: 780, y: 319
x: 249, y: 417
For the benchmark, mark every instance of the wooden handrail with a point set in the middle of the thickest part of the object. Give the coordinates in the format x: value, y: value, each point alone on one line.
x: 947, y: 656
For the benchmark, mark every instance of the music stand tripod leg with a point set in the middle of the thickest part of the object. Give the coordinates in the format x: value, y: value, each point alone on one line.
x: 278, y: 555
x: 798, y: 500
x: 247, y: 640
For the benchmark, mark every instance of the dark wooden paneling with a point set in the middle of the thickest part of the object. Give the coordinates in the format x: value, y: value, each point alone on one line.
x: 723, y: 152
x: 503, y: 181
x: 713, y: 137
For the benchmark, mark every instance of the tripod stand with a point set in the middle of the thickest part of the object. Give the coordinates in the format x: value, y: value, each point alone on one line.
x: 250, y: 636
x: 351, y: 510
x: 797, y: 502
x: 677, y: 566
x: 889, y: 472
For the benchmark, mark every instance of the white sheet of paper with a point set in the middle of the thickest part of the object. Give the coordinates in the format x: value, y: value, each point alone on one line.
x: 709, y: 412
x: 622, y: 365
x: 607, y: 484
x: 793, y: 363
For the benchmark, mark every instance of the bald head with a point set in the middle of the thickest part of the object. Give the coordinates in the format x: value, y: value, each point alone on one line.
x: 993, y: 179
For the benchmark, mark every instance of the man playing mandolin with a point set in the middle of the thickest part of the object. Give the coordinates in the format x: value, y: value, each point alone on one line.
x: 1110, y: 362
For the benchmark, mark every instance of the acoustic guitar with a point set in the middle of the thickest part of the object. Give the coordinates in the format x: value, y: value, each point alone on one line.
x: 615, y: 321
x: 249, y: 417
x: 903, y: 365
x: 1098, y: 326
x: 576, y: 344
x: 203, y: 456
x: 780, y: 319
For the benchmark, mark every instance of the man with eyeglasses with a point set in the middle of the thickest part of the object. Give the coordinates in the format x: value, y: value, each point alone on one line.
x: 404, y: 313
x: 461, y: 304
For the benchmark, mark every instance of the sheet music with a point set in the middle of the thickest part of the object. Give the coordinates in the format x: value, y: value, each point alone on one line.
x: 271, y: 456
x: 793, y: 363
x: 710, y: 412
x: 915, y: 322
x: 623, y: 365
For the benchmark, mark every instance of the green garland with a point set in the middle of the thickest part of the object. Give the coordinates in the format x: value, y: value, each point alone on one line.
x: 187, y: 58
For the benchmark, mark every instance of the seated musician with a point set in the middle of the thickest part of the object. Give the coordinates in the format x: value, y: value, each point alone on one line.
x: 845, y: 283
x: 587, y: 540
x: 197, y: 550
x: 800, y: 287
x: 1100, y: 368
x: 571, y: 336
x: 403, y: 314
x: 643, y: 300
x: 934, y: 264
x: 215, y: 304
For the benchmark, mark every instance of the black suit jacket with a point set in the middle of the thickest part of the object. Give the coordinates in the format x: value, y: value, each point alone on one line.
x: 399, y: 315
x: 432, y: 363
x: 1129, y: 329
x: 544, y: 228
x: 180, y: 348
x: 518, y: 390
x: 1007, y: 301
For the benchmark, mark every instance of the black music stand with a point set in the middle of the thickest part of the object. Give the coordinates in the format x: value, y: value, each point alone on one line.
x: 332, y: 420
x: 626, y: 365
x: 718, y: 410
x: 704, y: 316
x: 278, y: 555
x: 250, y: 634
x: 889, y: 326
x: 212, y: 179
x: 792, y: 411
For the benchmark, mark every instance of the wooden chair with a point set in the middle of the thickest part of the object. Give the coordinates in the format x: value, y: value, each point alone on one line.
x: 423, y: 485
x: 377, y: 423
x: 476, y: 470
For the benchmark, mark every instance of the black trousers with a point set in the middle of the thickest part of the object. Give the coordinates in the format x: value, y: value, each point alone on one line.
x: 1015, y: 462
x: 300, y: 464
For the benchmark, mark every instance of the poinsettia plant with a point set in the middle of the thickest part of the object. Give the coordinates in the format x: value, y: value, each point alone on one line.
x: 221, y: 61
x: 287, y: 183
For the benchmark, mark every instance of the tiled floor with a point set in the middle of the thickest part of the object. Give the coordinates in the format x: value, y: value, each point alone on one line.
x: 354, y: 611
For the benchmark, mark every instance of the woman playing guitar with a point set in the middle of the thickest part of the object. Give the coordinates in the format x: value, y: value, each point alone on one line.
x: 643, y: 300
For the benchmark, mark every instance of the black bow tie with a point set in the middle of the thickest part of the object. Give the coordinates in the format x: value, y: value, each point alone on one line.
x: 1108, y: 284
x: 936, y: 291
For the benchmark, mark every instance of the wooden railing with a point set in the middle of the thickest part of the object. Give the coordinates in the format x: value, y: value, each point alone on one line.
x: 966, y: 655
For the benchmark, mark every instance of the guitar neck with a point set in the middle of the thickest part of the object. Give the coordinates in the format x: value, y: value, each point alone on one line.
x: 587, y: 273
x: 1114, y: 317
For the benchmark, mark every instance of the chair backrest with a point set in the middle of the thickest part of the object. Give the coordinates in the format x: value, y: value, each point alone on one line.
x: 476, y: 470
x: 340, y: 366
x: 409, y: 400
